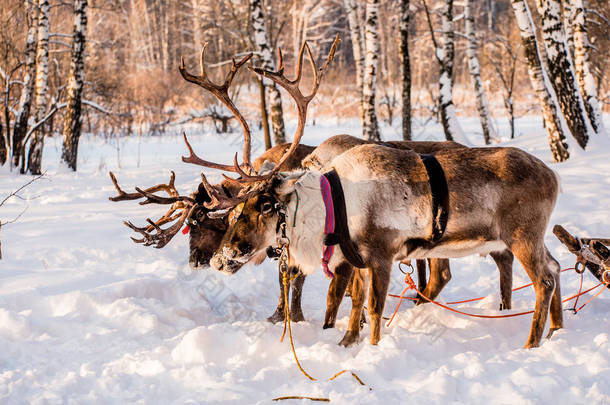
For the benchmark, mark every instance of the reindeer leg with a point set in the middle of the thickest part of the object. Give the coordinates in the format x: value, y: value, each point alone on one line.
x: 336, y: 291
x: 504, y: 261
x: 380, y: 281
x: 278, y: 315
x: 296, y: 313
x: 353, y: 327
x: 440, y: 274
x: 533, y: 258
x: 556, y: 304
x: 421, y: 274
x: 348, y: 293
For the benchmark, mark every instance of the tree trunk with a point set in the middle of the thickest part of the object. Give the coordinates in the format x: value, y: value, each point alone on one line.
x: 475, y: 74
x: 540, y: 82
x: 491, y: 14
x: 25, y: 101
x: 586, y: 80
x: 451, y: 125
x: 73, y: 119
x: 406, y: 70
x: 264, y: 118
x: 568, y: 14
x: 42, y: 79
x: 261, y: 40
x: 370, y: 125
x: 355, y: 29
x: 562, y: 73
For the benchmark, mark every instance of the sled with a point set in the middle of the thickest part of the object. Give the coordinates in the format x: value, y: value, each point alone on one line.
x: 591, y: 253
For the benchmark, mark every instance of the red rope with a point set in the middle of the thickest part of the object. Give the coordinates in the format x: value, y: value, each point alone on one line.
x: 411, y: 285
x: 582, y: 274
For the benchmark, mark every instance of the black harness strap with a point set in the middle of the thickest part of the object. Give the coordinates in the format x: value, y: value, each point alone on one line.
x: 341, y: 234
x: 440, y: 195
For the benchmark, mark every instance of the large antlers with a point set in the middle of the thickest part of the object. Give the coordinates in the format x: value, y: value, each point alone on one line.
x: 302, y: 102
x: 181, y: 209
x: 222, y: 93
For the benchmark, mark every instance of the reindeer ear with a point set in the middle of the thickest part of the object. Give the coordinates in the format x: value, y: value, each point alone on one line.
x: 201, y: 195
x: 266, y: 167
x: 284, y: 185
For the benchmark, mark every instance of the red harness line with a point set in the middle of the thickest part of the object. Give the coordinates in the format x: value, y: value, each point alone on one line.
x: 411, y: 286
x: 329, y: 224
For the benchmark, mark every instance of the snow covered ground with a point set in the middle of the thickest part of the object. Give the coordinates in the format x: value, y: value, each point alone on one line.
x: 87, y: 316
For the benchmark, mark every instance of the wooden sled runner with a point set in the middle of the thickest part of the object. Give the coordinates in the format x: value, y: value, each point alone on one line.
x: 591, y: 253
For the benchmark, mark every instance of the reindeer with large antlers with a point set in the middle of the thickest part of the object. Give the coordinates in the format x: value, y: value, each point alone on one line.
x: 208, y: 227
x: 497, y: 199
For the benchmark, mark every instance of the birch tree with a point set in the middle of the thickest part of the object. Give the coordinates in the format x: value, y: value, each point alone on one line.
x: 505, y: 66
x: 370, y: 125
x: 562, y: 73
x: 586, y: 80
x: 34, y: 163
x: 25, y: 101
x: 73, y: 118
x: 540, y: 82
x: 261, y: 40
x: 475, y: 74
x: 444, y: 55
x: 355, y: 29
x: 406, y: 70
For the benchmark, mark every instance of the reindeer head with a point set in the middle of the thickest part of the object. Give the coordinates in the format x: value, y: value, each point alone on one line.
x: 255, y: 224
x: 206, y: 230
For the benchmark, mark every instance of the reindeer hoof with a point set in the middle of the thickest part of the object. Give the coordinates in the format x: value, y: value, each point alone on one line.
x: 350, y: 338
x: 504, y: 306
x: 531, y: 345
x: 278, y: 316
x: 362, y: 321
x: 296, y: 316
x: 328, y: 325
x: 551, y: 331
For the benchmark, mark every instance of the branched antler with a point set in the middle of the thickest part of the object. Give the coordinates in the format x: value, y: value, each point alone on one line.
x: 181, y: 209
x: 221, y: 202
x: 302, y: 101
x: 221, y: 91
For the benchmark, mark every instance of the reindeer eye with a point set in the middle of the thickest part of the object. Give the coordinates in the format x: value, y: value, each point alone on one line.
x: 266, y: 207
x: 200, y: 215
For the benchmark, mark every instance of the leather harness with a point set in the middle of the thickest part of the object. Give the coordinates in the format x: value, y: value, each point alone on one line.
x: 440, y: 213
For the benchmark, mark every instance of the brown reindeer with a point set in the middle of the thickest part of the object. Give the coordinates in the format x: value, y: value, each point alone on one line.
x: 207, y: 227
x: 498, y: 199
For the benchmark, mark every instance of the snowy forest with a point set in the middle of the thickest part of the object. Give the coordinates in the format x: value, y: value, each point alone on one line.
x: 110, y: 67
x: 280, y: 201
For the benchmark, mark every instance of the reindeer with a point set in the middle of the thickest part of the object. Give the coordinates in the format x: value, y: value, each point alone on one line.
x: 498, y: 199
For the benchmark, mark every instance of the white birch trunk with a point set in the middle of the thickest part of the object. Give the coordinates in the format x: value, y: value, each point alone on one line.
x: 370, y: 126
x: 540, y: 82
x: 406, y: 70
x: 561, y: 72
x: 568, y: 14
x: 586, y: 80
x: 42, y: 79
x: 25, y: 101
x: 196, y: 20
x: 73, y: 119
x: 451, y: 125
x: 261, y: 40
x: 353, y: 18
x: 475, y: 74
